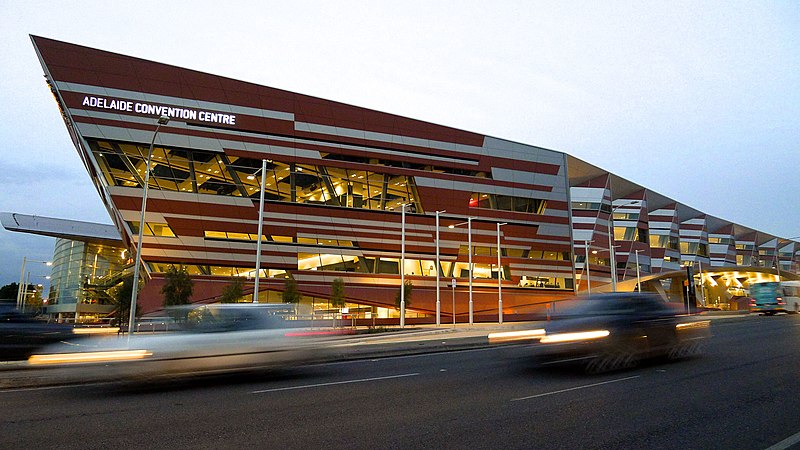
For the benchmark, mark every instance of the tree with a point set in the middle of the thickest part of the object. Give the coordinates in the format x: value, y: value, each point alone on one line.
x: 337, y: 296
x: 122, y: 296
x: 232, y: 293
x: 290, y: 292
x: 9, y: 291
x: 337, y: 293
x: 407, y: 291
x: 177, y: 290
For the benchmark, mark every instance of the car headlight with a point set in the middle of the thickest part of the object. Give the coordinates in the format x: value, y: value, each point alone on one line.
x: 510, y: 336
x: 89, y: 357
x: 570, y: 337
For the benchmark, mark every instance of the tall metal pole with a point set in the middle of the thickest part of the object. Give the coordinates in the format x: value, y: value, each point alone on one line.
x: 469, y: 238
x: 163, y: 120
x: 638, y: 279
x: 438, y: 299
x: 454, y: 303
x: 499, y: 278
x: 611, y: 254
x: 21, y: 280
x: 260, y: 228
x: 25, y: 291
x: 586, y: 262
x: 702, y: 285
x: 402, y: 268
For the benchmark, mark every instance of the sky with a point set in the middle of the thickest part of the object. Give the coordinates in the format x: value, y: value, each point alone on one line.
x: 699, y: 101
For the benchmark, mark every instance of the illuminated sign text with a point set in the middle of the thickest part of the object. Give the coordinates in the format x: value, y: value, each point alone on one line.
x: 159, y: 110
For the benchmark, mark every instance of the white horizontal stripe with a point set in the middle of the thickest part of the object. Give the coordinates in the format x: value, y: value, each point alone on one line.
x: 574, y: 388
x: 335, y: 383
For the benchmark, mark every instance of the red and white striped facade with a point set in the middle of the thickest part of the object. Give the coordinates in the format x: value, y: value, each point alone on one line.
x: 114, y: 100
x: 105, y: 96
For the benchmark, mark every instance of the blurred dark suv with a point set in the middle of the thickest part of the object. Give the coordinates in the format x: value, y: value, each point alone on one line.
x: 613, y: 331
x: 22, y: 334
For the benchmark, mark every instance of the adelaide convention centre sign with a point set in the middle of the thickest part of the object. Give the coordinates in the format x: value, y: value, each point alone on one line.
x: 159, y: 110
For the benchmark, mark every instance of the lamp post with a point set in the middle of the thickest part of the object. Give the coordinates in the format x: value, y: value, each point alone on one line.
x: 438, y: 300
x: 22, y: 286
x: 586, y: 263
x: 499, y: 278
x: 163, y: 120
x: 611, y: 245
x: 263, y: 171
x: 403, y: 266
x: 469, y: 247
x: 638, y: 279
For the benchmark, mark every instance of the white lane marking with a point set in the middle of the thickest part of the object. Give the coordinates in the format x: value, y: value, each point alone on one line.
x: 574, y: 388
x: 786, y: 443
x: 47, y: 388
x: 363, y: 380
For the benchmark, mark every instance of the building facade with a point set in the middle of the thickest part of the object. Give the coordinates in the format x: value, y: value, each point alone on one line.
x: 336, y: 182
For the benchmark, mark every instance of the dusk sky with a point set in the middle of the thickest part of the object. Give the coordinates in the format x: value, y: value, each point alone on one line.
x: 699, y: 101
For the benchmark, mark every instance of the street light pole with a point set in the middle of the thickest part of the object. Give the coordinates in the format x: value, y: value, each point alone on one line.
x: 499, y: 278
x: 260, y: 228
x: 638, y: 279
x: 469, y: 249
x: 19, y: 286
x: 403, y: 267
x: 586, y: 263
x: 611, y: 245
x: 23, y: 286
x: 163, y: 120
x: 469, y: 240
x: 438, y: 300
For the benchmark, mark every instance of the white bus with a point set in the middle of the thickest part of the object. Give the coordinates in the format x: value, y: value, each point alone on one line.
x: 772, y: 297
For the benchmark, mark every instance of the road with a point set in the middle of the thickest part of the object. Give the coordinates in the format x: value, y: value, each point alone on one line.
x: 741, y: 394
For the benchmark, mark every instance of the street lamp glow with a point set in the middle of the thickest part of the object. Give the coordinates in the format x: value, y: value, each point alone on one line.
x: 163, y: 120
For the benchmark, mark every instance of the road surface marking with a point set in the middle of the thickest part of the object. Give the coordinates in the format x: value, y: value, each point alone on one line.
x: 47, y: 388
x: 786, y: 443
x: 363, y: 380
x: 574, y: 388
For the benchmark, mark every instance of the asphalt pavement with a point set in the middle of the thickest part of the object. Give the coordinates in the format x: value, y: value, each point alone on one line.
x: 741, y: 393
x: 394, y: 342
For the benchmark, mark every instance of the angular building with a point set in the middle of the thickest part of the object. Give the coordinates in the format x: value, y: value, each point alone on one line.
x: 352, y: 193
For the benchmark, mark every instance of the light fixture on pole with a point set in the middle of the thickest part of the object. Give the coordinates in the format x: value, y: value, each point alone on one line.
x: 610, y: 242
x: 403, y: 266
x: 163, y: 120
x: 586, y: 264
x: 638, y: 279
x: 469, y: 248
x: 438, y: 300
x: 263, y: 171
x: 499, y: 277
x: 21, y: 286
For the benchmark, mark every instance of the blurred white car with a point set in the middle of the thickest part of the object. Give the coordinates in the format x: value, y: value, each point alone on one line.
x: 216, y: 338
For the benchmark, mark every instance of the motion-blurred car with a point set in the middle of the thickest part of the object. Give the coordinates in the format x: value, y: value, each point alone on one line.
x: 216, y: 339
x: 614, y: 331
x: 23, y: 334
